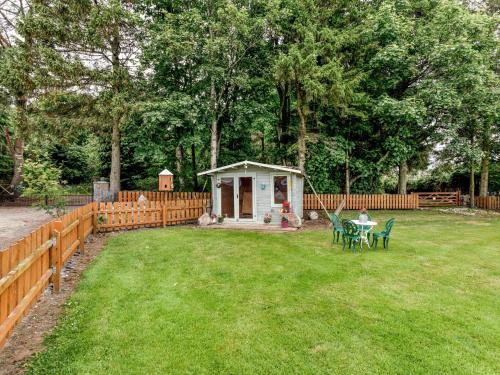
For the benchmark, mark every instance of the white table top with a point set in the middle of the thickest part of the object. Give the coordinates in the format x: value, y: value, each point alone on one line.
x: 370, y: 223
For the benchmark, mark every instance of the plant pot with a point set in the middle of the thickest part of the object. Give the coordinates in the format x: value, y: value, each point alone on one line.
x: 284, y: 224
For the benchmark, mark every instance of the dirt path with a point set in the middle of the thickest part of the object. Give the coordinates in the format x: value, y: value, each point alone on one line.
x: 17, y: 222
x: 27, y: 338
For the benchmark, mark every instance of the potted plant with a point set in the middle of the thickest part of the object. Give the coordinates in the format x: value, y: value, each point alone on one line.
x: 284, y: 218
x: 284, y: 221
x: 267, y: 218
x: 220, y: 219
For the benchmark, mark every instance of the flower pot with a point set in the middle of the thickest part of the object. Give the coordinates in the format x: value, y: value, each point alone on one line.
x: 284, y: 224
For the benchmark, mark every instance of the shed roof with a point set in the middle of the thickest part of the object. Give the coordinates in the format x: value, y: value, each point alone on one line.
x: 253, y: 163
x: 166, y: 172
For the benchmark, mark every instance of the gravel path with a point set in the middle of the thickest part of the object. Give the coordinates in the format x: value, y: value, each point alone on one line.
x: 17, y: 222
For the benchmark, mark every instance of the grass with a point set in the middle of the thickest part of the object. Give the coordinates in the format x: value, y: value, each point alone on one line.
x: 185, y: 300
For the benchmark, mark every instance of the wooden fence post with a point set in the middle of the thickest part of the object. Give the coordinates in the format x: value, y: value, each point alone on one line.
x: 95, y: 213
x: 164, y: 215
x: 55, y: 255
x: 81, y: 235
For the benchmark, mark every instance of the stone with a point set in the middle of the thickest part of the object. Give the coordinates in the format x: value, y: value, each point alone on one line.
x: 142, y: 200
x: 294, y: 220
x: 204, y: 220
x: 313, y: 215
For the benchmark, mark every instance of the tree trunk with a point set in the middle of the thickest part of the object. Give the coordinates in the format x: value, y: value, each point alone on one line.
x: 403, y: 177
x: 301, y: 142
x: 179, y: 156
x: 213, y: 145
x: 194, y: 168
x: 115, y: 175
x: 17, y: 149
x: 347, y: 187
x: 471, y: 185
x: 485, y: 173
x: 214, y: 136
x: 18, y: 162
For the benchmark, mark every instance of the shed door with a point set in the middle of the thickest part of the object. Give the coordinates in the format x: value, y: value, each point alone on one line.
x: 227, y: 197
x: 245, y: 198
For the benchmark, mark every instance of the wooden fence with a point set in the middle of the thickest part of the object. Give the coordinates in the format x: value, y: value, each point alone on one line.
x: 439, y: 199
x: 69, y: 200
x: 160, y: 196
x: 27, y: 266
x: 488, y: 203
x: 132, y: 215
x: 358, y: 201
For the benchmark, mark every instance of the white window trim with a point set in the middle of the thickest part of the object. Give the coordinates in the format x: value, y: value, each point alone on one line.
x: 235, y: 176
x: 288, y: 185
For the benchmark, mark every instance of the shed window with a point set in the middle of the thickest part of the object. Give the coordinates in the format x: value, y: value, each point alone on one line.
x: 280, y: 189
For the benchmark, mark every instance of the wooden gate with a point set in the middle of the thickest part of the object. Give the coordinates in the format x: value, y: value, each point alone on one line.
x: 439, y: 199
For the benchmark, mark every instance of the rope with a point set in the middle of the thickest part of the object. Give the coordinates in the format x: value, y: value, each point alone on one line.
x: 317, y: 197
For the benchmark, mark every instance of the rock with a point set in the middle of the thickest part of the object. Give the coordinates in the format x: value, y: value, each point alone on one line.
x: 142, y: 200
x: 204, y: 220
x: 294, y: 220
x: 313, y: 215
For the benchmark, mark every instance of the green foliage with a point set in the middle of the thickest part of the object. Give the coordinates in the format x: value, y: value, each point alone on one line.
x: 42, y: 182
x: 349, y: 86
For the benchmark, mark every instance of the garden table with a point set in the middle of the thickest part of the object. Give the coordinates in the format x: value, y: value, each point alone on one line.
x: 364, y: 228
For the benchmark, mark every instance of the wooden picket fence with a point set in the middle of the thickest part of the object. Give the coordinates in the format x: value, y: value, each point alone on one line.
x: 27, y: 266
x: 160, y: 196
x: 358, y: 201
x: 439, y: 199
x: 133, y: 215
x: 488, y: 203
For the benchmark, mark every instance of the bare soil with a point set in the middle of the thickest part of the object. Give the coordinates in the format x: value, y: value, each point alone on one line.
x: 27, y: 338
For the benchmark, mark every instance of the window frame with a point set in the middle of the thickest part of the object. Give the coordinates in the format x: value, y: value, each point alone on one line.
x: 288, y: 186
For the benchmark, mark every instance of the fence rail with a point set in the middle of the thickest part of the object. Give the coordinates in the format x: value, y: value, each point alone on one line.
x: 488, y: 203
x: 358, y: 201
x: 439, y: 199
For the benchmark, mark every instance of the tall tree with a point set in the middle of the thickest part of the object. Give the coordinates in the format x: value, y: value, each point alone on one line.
x: 94, y: 48
x: 16, y: 78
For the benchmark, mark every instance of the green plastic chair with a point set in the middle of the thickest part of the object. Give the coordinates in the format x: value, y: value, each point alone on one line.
x: 338, y: 229
x: 385, y: 234
x: 351, y: 235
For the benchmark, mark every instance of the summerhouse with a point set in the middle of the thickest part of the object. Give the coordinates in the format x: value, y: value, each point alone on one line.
x: 247, y: 191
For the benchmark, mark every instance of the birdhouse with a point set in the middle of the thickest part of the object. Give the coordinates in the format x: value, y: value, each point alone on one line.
x: 165, y: 181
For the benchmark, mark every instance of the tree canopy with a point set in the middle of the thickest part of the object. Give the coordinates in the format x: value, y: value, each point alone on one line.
x: 363, y: 96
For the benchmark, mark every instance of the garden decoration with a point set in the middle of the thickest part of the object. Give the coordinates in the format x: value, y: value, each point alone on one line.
x: 385, y: 234
x: 284, y: 220
x: 338, y: 229
x: 351, y: 235
x: 267, y: 218
x: 363, y: 218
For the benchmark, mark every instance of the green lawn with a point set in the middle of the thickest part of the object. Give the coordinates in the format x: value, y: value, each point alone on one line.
x: 185, y: 300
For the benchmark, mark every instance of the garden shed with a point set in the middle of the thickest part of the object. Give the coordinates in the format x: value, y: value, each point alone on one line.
x: 247, y: 191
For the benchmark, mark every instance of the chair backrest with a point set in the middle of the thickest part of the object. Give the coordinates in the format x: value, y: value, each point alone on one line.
x: 350, y: 228
x: 335, y: 221
x: 388, y: 225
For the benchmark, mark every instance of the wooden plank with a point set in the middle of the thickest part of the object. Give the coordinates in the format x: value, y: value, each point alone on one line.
x: 7, y: 325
